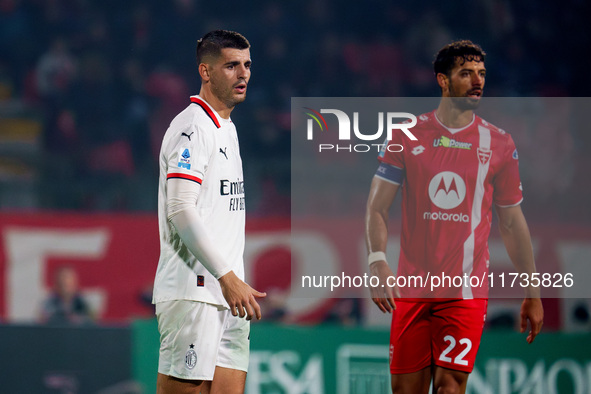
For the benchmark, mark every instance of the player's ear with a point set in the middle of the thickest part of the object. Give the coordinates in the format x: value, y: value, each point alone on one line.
x: 204, y: 71
x: 442, y: 81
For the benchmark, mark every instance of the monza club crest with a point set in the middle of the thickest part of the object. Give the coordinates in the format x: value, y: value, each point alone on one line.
x: 484, y: 155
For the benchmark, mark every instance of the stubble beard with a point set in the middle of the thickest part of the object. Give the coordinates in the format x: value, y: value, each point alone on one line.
x: 226, y: 95
x: 463, y: 103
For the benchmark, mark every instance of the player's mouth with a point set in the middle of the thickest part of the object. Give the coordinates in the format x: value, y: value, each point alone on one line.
x: 240, y: 87
x: 474, y: 93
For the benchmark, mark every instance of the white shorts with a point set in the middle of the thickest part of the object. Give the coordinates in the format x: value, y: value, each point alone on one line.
x: 195, y: 337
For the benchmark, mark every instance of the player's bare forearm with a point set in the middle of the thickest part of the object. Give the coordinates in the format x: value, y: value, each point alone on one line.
x: 517, y: 240
x: 240, y: 296
x: 381, y: 196
x: 376, y: 231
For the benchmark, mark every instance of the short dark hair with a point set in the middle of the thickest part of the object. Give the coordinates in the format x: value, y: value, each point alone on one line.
x: 213, y: 42
x: 466, y: 50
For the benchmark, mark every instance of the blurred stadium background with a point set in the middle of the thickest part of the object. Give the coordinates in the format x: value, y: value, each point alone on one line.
x: 87, y: 89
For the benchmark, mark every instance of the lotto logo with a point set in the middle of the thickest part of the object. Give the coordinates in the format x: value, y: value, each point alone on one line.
x: 418, y: 150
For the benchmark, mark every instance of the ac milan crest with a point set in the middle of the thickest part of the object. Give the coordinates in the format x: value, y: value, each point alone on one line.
x: 191, y: 357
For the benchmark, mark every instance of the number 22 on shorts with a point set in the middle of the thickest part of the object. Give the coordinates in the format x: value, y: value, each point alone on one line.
x: 459, y: 359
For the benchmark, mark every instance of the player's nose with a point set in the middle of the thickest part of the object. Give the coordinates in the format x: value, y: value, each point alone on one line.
x: 243, y: 72
x: 477, y: 80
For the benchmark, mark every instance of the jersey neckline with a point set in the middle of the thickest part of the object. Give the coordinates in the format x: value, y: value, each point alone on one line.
x: 454, y: 130
x: 212, y: 113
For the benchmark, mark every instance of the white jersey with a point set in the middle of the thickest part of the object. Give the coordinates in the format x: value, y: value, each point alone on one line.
x: 200, y: 146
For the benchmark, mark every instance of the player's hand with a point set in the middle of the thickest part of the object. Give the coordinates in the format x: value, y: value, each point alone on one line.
x: 240, y: 296
x: 383, y: 295
x: 532, y: 310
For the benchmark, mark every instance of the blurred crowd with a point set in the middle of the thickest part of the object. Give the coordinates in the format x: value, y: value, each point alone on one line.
x: 65, y: 305
x: 104, y: 79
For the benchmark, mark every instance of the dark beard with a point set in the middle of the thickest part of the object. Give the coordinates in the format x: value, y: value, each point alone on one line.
x: 465, y: 103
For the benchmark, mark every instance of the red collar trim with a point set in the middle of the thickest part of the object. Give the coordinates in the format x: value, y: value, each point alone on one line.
x: 207, y: 109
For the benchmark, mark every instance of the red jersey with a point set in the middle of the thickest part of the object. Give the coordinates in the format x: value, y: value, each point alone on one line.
x: 451, y: 178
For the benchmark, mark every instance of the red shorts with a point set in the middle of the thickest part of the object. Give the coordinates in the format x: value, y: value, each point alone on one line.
x: 443, y: 333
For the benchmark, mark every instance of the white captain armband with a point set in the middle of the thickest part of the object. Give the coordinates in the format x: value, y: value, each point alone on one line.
x: 390, y: 173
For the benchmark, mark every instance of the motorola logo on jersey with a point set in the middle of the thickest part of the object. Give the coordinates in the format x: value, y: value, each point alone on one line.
x: 447, y: 190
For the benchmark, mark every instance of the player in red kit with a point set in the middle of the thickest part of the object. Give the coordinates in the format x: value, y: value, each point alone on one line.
x: 451, y: 176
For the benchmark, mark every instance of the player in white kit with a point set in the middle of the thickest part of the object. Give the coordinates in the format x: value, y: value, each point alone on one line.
x: 203, y: 305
